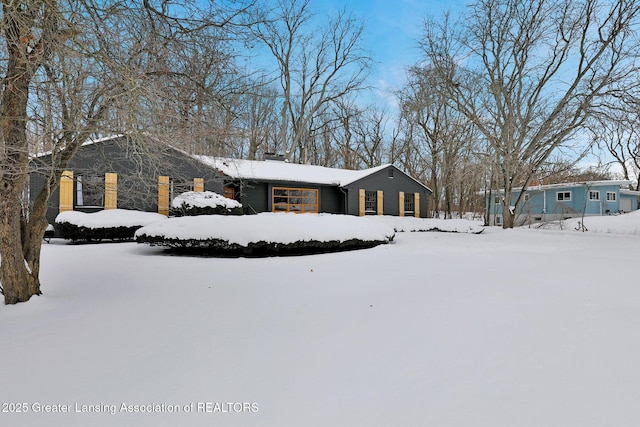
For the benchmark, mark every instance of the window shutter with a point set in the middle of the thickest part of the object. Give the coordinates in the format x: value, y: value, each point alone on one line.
x: 110, y: 190
x: 416, y: 207
x: 361, y: 202
x: 380, y: 202
x: 401, y: 203
x: 66, y: 192
x: 198, y: 185
x: 163, y: 195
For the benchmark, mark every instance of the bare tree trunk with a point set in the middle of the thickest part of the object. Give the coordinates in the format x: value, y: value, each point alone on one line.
x: 18, y: 282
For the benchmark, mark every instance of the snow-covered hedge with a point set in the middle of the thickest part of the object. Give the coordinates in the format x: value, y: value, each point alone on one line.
x: 266, y: 234
x: 194, y: 203
x: 111, y: 224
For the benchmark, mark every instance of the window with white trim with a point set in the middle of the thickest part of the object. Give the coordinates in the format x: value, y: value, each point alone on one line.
x: 611, y: 196
x: 563, y: 196
x: 594, y: 195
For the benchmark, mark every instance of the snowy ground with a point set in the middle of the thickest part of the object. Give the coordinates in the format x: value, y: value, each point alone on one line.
x: 504, y: 328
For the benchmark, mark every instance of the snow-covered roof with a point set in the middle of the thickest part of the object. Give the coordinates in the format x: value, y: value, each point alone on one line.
x: 619, y: 182
x: 84, y: 144
x: 629, y: 192
x: 274, y: 170
x: 277, y: 170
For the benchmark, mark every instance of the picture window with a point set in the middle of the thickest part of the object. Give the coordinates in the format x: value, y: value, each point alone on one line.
x: 299, y: 200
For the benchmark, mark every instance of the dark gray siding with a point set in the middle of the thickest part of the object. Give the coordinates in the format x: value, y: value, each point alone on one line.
x: 254, y: 197
x: 332, y: 200
x: 391, y: 184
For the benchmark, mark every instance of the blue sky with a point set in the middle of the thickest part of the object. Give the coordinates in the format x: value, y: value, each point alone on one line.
x: 391, y: 31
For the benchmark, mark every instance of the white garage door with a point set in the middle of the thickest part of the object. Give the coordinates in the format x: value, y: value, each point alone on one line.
x: 625, y: 205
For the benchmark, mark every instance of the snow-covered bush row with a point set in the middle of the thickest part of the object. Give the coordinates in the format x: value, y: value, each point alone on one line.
x: 110, y: 224
x: 204, y: 203
x: 266, y: 234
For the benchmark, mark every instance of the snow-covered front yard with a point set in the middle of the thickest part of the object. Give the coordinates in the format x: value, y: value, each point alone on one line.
x: 504, y: 328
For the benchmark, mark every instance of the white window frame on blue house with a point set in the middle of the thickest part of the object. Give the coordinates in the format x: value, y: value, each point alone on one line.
x: 611, y: 196
x: 594, y: 195
x: 563, y: 196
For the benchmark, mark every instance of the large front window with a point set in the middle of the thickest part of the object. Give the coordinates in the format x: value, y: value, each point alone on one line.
x: 299, y: 200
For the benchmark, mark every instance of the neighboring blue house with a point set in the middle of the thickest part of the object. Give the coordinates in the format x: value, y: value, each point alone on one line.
x: 562, y: 201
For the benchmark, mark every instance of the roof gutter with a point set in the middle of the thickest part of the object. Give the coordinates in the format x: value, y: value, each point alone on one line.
x: 346, y: 200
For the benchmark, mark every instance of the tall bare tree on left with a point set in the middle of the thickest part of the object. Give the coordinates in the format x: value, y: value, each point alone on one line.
x: 66, y: 66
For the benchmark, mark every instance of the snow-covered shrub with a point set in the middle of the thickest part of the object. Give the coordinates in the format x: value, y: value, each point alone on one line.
x: 111, y: 224
x: 265, y: 234
x: 194, y: 203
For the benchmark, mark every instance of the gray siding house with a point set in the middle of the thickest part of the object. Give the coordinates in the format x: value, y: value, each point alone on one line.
x: 278, y: 186
x: 118, y: 172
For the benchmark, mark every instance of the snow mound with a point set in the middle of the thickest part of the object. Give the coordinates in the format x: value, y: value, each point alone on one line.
x: 109, y: 218
x: 267, y: 233
x: 111, y: 224
x: 204, y: 199
x: 412, y: 224
x: 628, y: 223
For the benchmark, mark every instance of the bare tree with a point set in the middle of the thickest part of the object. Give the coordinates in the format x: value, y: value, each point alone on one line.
x: 406, y: 150
x: 529, y: 75
x: 619, y: 132
x: 259, y: 120
x: 444, y: 133
x: 316, y: 66
x: 68, y: 66
x: 559, y: 170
